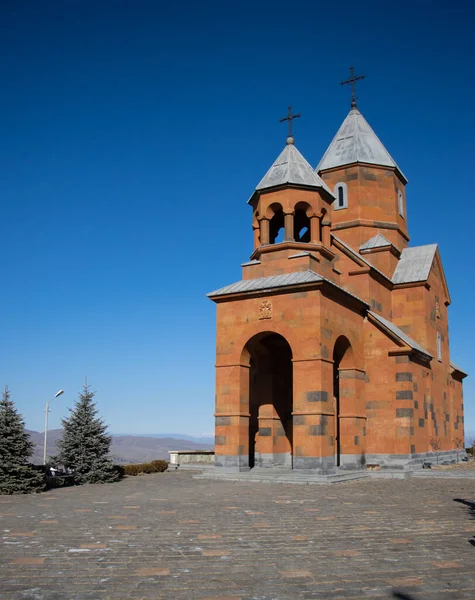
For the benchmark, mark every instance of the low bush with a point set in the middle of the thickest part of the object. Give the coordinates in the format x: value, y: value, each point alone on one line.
x: 156, y: 466
x: 160, y: 465
x: 119, y: 469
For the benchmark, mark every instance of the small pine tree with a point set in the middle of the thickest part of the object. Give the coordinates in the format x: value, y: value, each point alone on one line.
x: 17, y: 476
x: 85, y: 444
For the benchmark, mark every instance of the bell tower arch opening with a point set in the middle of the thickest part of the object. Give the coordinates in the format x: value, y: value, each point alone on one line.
x: 302, y: 222
x: 270, y: 400
x: 277, y: 224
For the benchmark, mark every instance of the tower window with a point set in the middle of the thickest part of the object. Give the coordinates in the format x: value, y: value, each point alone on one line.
x: 400, y: 203
x: 439, y: 347
x: 341, y: 193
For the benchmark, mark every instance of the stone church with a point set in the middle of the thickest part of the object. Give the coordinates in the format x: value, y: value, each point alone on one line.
x: 332, y: 350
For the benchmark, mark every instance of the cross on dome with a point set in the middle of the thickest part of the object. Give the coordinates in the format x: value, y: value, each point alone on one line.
x: 289, y: 118
x: 352, y: 81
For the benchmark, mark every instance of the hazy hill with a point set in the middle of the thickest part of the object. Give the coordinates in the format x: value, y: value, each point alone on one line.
x: 124, y: 448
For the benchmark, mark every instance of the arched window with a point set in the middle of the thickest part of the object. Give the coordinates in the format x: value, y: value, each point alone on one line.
x: 400, y: 203
x: 439, y: 347
x: 341, y: 193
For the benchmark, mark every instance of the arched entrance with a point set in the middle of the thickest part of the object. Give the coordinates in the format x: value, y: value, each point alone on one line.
x: 270, y: 400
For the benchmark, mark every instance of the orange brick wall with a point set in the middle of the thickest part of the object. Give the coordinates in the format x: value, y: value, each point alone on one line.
x: 372, y: 205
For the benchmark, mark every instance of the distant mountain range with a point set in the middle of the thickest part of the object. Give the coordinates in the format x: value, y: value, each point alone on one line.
x: 127, y: 449
x: 205, y: 438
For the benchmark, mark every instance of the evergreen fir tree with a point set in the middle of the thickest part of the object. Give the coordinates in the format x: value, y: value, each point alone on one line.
x: 85, y: 444
x: 16, y: 474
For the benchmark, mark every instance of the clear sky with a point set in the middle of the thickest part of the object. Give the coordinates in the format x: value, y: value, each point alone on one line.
x: 132, y: 134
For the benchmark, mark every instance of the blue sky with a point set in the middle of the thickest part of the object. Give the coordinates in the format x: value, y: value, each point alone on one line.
x: 132, y: 134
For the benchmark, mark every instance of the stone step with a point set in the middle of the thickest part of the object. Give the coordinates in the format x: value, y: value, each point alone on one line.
x: 282, y: 476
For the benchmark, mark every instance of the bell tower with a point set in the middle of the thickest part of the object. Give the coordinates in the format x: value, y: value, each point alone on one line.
x: 291, y: 214
x: 368, y: 185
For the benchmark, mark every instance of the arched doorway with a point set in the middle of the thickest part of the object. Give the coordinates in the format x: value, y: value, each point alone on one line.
x: 270, y: 400
x: 342, y: 359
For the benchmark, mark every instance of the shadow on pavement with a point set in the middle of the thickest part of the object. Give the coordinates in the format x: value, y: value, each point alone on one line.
x: 471, y: 508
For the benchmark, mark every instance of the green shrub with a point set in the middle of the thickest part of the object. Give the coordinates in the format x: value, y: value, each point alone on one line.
x: 156, y: 466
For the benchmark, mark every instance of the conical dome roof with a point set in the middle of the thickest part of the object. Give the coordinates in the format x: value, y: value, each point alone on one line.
x: 356, y: 142
x: 290, y: 167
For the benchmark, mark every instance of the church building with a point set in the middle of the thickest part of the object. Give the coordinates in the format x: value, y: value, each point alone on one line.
x: 332, y: 351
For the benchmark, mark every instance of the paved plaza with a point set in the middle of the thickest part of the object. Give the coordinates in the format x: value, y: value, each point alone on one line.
x: 174, y: 537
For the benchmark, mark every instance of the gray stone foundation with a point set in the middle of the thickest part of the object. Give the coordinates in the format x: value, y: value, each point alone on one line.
x: 321, y: 465
x: 412, y: 461
x: 281, y: 459
x: 352, y: 462
x: 239, y: 462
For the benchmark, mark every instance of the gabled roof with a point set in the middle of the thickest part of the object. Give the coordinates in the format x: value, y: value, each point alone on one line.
x: 415, y: 264
x: 355, y: 142
x: 260, y: 284
x: 399, y: 333
x: 378, y: 241
x: 290, y: 167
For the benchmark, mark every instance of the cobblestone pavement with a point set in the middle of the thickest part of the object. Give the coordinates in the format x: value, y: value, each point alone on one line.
x: 169, y: 536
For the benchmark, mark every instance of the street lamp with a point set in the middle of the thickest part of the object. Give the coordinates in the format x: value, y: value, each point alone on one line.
x: 46, y: 422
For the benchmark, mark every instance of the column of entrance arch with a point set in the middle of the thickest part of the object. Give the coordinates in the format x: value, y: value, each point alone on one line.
x: 232, y: 417
x: 313, y: 415
x: 351, y: 447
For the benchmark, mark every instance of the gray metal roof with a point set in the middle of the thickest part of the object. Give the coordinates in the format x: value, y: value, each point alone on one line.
x: 300, y: 254
x: 415, y: 264
x: 250, y: 262
x: 264, y: 283
x: 359, y: 257
x: 400, y: 334
x: 291, y: 167
x: 355, y: 141
x: 378, y: 241
x: 277, y: 281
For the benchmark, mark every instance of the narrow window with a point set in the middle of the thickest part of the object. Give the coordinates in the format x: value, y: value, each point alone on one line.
x: 341, y: 193
x: 400, y: 203
x: 341, y: 199
x: 439, y: 347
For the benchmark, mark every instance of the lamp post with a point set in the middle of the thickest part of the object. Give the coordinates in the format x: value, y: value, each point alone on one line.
x: 46, y: 422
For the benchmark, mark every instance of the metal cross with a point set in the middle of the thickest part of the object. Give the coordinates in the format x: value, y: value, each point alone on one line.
x: 289, y: 118
x: 351, y: 81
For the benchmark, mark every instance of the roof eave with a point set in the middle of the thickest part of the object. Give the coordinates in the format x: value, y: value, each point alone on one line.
x: 394, y: 167
x: 301, y: 186
x: 215, y: 297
